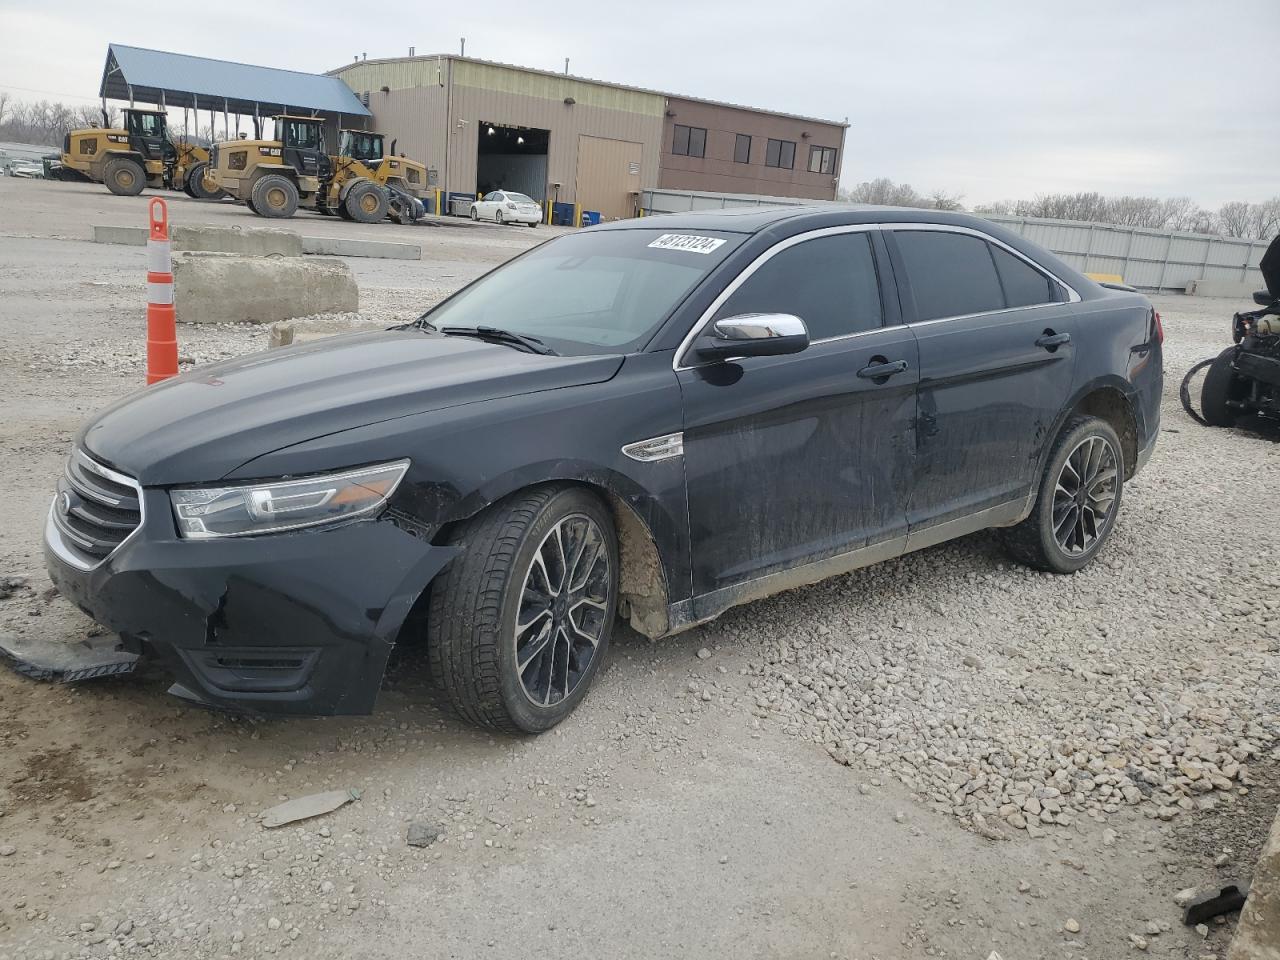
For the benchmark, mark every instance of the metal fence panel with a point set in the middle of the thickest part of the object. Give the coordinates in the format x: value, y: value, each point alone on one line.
x: 1149, y: 259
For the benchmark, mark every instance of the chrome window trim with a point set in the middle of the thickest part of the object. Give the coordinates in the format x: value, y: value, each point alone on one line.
x: 751, y: 268
x: 1072, y: 295
x: 53, y: 536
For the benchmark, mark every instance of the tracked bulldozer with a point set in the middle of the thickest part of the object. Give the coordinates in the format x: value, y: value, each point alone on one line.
x: 276, y: 177
x: 141, y: 155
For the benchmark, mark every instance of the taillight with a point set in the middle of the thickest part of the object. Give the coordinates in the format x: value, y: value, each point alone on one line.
x: 511, y: 205
x: 1159, y: 331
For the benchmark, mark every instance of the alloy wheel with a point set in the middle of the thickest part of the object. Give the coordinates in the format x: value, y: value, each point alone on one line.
x: 1084, y: 496
x: 563, y: 604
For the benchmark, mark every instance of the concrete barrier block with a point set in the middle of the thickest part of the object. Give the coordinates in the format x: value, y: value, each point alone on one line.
x: 349, y: 247
x: 129, y: 236
x: 220, y: 288
x: 1233, y: 289
x: 246, y: 241
x: 1258, y: 933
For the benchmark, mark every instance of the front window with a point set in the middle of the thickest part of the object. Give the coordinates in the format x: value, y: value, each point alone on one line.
x: 361, y: 146
x: 599, y: 292
x: 303, y: 134
x: 147, y: 124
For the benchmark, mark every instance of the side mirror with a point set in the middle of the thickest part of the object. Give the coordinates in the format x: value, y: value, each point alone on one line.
x: 753, y: 335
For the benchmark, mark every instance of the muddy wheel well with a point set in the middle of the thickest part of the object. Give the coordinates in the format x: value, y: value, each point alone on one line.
x: 642, y: 583
x: 1109, y: 404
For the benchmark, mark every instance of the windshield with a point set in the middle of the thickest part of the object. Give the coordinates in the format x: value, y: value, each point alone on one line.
x: 594, y: 292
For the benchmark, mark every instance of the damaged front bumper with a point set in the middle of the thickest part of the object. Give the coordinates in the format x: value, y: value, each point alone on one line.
x: 291, y: 623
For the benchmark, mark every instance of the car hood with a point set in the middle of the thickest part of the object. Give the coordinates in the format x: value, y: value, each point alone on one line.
x: 201, y: 426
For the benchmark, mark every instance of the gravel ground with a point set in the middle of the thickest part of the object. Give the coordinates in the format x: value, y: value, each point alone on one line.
x: 940, y: 756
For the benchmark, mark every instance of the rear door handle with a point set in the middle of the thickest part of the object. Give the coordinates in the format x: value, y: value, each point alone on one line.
x: 883, y: 370
x: 1051, y: 340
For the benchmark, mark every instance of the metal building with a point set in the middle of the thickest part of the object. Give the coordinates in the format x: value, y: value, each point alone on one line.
x: 481, y: 126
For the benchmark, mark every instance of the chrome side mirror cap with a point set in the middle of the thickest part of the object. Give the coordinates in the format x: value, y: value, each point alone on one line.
x: 753, y: 335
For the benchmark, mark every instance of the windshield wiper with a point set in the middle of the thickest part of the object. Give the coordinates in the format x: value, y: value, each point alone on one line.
x: 498, y: 335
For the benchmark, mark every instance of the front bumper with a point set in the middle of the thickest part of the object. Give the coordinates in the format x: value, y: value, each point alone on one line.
x: 292, y: 623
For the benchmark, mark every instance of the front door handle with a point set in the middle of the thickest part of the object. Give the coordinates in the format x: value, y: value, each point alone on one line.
x: 882, y: 370
x: 1051, y: 341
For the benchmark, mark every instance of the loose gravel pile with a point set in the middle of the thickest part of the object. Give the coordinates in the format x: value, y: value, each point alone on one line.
x: 1017, y: 699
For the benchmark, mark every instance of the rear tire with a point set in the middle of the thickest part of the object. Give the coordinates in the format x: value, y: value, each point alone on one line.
x: 124, y: 176
x: 534, y: 224
x: 274, y: 196
x: 510, y: 574
x: 1078, y: 502
x: 1220, y: 386
x: 366, y: 202
x: 497, y: 217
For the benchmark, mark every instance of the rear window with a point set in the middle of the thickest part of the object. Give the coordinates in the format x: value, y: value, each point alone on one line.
x: 951, y: 274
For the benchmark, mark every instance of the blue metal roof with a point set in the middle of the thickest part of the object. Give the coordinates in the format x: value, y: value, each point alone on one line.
x: 135, y: 73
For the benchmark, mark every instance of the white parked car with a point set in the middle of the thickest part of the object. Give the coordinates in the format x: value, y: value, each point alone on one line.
x: 503, y: 206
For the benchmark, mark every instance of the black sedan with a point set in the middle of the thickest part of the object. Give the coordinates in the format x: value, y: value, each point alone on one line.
x: 653, y: 420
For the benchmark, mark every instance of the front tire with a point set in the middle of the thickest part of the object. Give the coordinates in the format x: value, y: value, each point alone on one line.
x: 124, y: 177
x: 520, y: 622
x: 366, y: 202
x: 1078, y: 502
x: 275, y: 197
x: 1221, y: 385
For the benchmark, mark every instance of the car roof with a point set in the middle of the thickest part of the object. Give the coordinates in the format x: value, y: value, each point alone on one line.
x: 780, y: 221
x: 757, y: 219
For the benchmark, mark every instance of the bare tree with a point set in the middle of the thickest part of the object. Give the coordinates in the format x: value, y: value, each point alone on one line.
x: 1234, y: 217
x: 942, y: 200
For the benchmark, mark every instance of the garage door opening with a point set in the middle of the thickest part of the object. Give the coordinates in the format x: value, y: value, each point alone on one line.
x: 512, y: 158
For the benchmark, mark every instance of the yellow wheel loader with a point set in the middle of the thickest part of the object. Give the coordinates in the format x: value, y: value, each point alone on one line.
x: 141, y: 155
x: 276, y: 177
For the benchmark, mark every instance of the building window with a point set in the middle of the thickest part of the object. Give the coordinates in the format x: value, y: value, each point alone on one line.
x: 822, y: 159
x: 780, y: 153
x: 742, y: 149
x: 689, y: 141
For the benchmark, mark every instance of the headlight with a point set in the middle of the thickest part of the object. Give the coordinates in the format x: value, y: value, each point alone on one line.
x: 270, y: 507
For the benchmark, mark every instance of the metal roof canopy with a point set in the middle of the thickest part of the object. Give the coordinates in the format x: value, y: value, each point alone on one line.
x: 178, y: 80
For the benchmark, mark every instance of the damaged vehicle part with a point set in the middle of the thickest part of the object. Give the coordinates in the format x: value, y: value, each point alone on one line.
x: 652, y: 420
x: 1244, y: 379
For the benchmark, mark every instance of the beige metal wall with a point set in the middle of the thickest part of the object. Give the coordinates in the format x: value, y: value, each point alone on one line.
x: 608, y: 180
x: 567, y: 123
x: 418, y: 111
x: 718, y: 172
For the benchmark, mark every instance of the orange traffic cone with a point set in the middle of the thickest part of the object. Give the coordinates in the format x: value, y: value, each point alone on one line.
x: 162, y: 331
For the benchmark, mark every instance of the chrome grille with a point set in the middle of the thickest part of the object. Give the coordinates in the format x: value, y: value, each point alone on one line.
x: 95, y: 510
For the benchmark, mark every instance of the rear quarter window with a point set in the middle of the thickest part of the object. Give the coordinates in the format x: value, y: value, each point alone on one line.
x: 1024, y: 285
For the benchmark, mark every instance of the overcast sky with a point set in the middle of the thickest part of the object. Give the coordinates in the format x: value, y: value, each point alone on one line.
x: 991, y: 99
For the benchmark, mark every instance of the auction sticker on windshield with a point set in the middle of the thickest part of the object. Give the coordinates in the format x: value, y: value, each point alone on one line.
x: 686, y: 242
